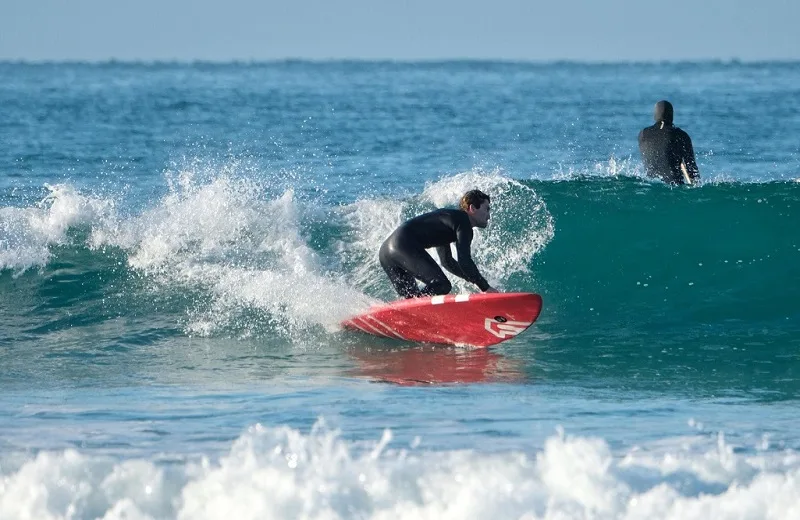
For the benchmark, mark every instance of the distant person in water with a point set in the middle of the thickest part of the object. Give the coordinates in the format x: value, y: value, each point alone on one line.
x: 667, y: 150
x: 405, y: 260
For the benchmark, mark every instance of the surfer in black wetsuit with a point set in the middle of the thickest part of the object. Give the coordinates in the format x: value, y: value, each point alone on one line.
x: 667, y: 150
x: 405, y: 260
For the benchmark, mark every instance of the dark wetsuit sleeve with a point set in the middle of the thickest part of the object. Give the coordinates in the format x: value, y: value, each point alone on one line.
x: 687, y: 155
x: 466, y: 268
x: 448, y: 262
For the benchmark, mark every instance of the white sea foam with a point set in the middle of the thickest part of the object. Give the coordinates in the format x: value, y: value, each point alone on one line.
x: 369, y: 223
x: 28, y: 234
x: 240, y: 249
x: 613, y: 167
x: 283, y: 473
x: 246, y: 251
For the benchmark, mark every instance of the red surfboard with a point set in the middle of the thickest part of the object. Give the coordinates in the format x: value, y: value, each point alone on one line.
x: 478, y: 320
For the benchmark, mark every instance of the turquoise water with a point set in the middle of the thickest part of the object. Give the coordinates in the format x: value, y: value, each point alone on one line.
x: 179, y: 242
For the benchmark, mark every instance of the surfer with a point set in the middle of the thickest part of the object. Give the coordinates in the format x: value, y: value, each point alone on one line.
x: 405, y: 260
x: 667, y: 150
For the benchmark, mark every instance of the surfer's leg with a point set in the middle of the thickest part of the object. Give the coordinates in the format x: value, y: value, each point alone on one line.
x: 415, y: 261
x: 404, y: 283
x: 405, y: 261
x: 431, y: 274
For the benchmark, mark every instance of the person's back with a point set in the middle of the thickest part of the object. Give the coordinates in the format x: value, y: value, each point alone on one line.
x: 437, y: 228
x: 667, y: 151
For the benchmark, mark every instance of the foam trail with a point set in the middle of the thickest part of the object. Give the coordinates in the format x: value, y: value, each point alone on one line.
x: 239, y: 254
x: 244, y: 251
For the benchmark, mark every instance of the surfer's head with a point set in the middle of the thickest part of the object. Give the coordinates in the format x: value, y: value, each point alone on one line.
x: 476, y: 204
x: 663, y: 112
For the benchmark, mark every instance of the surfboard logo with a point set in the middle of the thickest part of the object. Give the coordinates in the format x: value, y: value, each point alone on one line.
x: 504, y: 328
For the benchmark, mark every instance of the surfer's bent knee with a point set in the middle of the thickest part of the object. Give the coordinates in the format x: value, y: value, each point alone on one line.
x: 439, y: 287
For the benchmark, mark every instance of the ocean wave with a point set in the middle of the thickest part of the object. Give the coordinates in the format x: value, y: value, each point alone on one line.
x: 225, y: 257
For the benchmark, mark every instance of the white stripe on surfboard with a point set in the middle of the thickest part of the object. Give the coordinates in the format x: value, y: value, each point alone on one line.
x: 438, y: 300
x: 369, y: 326
x: 357, y: 326
x: 372, y: 330
x: 385, y: 326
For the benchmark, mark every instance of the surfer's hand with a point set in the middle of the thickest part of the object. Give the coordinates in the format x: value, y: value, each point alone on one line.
x: 492, y: 290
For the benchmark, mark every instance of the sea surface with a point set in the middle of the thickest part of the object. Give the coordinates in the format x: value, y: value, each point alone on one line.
x: 179, y: 241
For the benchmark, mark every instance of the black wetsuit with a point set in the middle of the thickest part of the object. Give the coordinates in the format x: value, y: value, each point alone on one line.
x: 665, y: 146
x: 405, y: 260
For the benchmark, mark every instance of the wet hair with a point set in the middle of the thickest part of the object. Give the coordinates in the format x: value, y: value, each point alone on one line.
x: 473, y: 198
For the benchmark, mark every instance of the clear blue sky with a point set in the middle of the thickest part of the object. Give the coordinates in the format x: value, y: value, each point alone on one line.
x: 585, y: 30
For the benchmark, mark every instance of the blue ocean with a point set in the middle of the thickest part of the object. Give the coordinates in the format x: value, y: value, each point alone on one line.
x: 180, y: 241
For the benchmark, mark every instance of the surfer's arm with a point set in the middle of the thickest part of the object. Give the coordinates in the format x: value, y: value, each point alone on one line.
x: 687, y: 157
x: 448, y: 262
x: 468, y: 268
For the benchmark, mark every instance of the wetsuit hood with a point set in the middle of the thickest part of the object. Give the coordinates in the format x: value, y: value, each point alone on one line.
x: 663, y: 112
